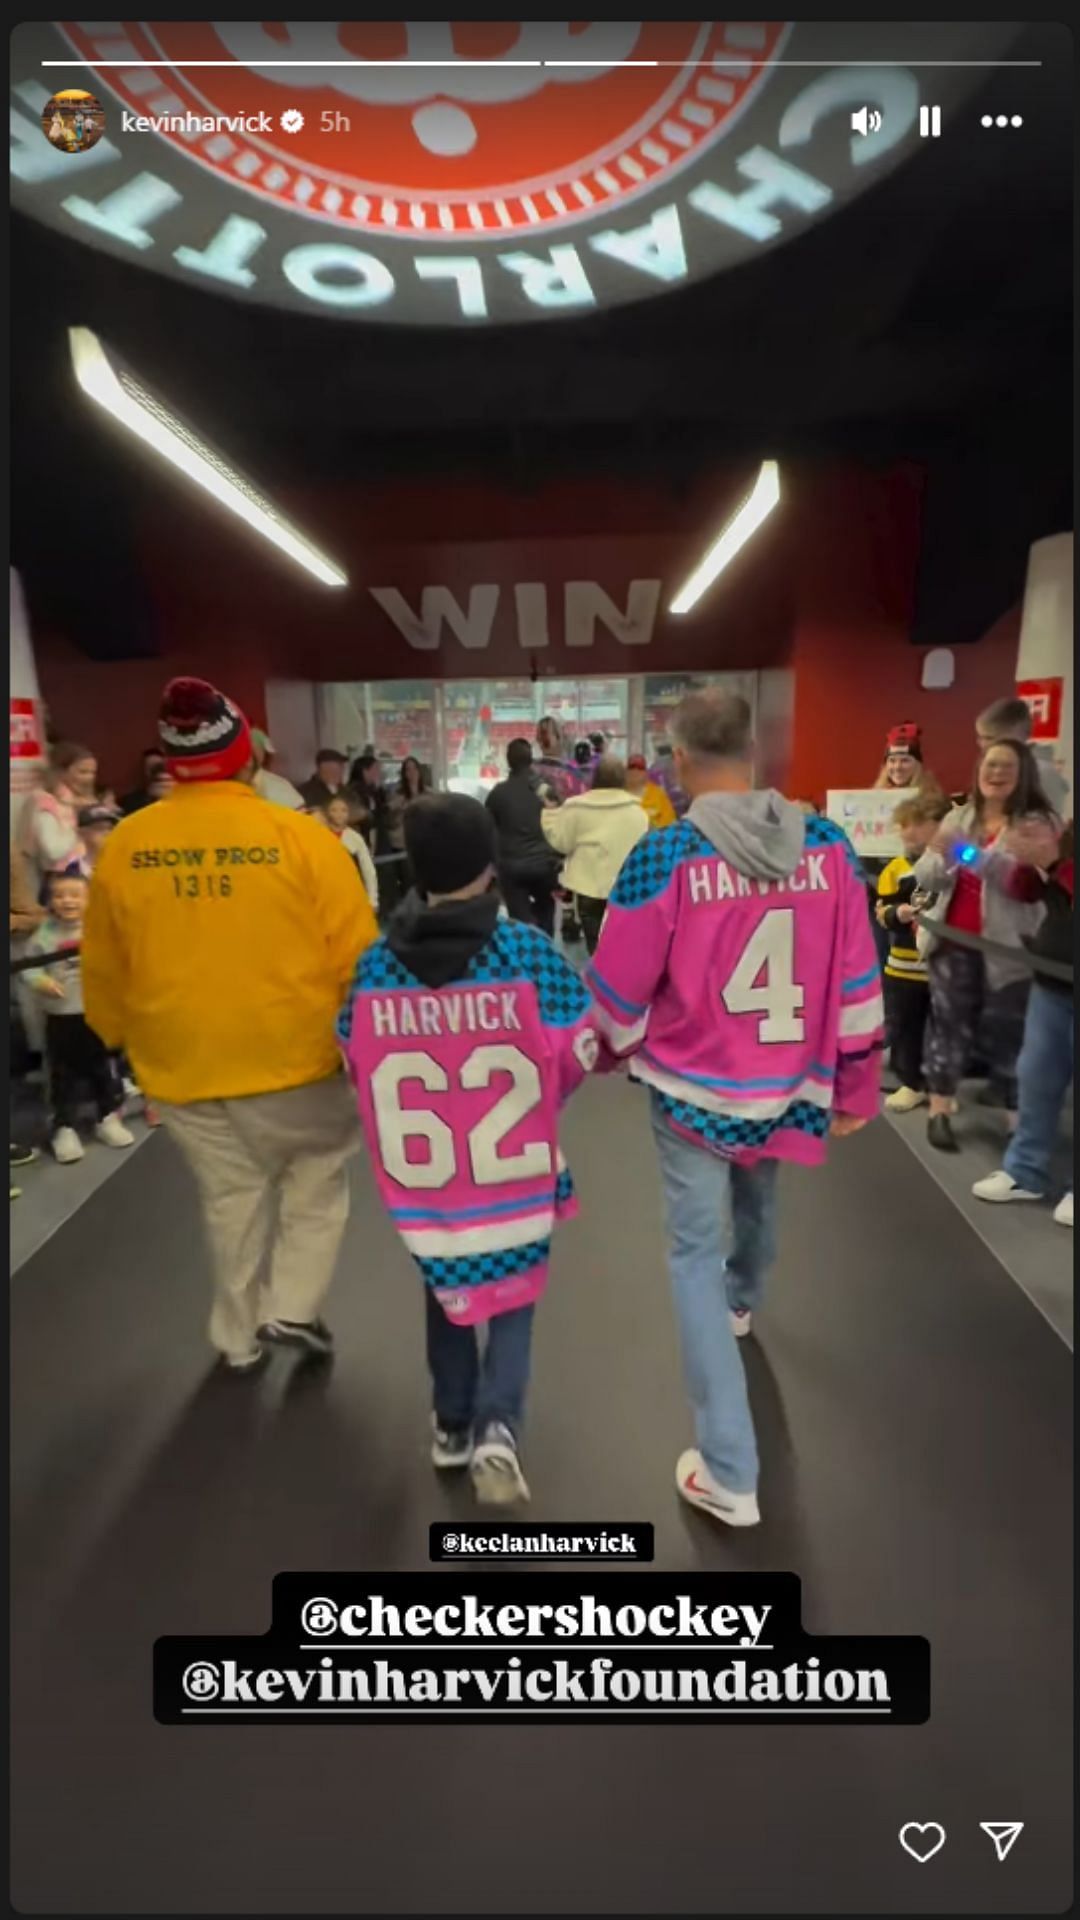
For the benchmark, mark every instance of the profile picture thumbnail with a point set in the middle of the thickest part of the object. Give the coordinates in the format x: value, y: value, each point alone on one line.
x: 73, y: 120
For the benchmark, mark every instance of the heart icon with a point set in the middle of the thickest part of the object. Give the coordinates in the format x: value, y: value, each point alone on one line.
x: 922, y: 1839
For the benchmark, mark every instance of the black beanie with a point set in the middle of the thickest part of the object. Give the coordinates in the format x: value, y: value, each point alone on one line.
x: 449, y: 839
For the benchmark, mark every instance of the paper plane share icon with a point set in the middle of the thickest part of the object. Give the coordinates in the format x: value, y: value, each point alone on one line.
x: 1004, y: 1834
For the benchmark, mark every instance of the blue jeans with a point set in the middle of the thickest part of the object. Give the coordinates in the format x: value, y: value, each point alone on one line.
x: 1044, y: 1070
x: 468, y: 1391
x: 721, y: 1243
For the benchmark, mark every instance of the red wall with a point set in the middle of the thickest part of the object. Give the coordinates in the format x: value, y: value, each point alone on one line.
x: 855, y: 673
x: 826, y: 588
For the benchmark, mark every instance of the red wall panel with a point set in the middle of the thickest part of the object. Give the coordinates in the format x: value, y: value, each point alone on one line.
x: 856, y: 674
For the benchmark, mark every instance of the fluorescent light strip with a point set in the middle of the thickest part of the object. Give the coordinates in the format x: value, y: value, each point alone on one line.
x: 153, y: 424
x: 738, y: 531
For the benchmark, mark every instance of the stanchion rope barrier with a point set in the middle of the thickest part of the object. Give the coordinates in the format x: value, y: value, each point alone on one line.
x: 28, y: 961
x: 1035, y: 962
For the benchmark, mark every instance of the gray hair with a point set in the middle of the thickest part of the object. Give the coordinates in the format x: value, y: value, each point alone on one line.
x: 710, y: 724
x: 1009, y: 719
x: 610, y: 772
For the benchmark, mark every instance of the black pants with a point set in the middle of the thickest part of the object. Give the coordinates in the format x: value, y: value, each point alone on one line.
x: 873, y: 869
x: 907, y: 1008
x: 960, y: 1003
x: 394, y: 883
x: 471, y: 1389
x: 78, y: 1061
x: 591, y: 914
x: 529, y: 894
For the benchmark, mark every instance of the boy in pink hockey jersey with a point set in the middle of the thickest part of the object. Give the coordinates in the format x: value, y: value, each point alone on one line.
x: 737, y: 967
x: 463, y: 1035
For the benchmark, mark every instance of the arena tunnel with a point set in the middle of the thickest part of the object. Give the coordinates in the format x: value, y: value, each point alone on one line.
x: 643, y: 362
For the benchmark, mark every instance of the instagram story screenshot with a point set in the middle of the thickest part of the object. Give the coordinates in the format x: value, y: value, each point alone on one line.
x: 541, y: 967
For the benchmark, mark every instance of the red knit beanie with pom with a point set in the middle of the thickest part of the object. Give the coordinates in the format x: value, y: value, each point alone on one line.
x: 906, y: 738
x: 204, y: 734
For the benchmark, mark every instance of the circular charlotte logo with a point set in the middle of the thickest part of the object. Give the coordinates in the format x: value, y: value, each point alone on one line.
x: 466, y: 131
x: 456, y: 173
x: 73, y: 121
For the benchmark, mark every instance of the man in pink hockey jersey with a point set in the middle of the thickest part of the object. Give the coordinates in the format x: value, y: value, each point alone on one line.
x: 737, y: 967
x: 464, y: 1034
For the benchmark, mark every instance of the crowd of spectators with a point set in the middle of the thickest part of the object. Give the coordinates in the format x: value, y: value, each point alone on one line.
x: 983, y: 882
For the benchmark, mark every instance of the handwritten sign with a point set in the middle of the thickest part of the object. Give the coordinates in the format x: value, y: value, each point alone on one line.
x: 866, y: 815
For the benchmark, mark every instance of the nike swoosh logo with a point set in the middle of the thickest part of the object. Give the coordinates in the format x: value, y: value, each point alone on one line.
x: 706, y: 1493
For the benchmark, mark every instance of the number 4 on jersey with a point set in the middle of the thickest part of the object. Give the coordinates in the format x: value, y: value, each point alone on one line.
x: 770, y: 950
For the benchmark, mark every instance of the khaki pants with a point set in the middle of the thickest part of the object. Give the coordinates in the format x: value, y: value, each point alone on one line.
x: 272, y: 1172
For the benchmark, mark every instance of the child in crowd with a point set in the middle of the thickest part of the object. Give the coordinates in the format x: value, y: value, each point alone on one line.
x: 907, y: 989
x: 463, y: 1035
x: 76, y: 1057
x: 336, y: 813
x: 25, y: 916
x: 95, y: 825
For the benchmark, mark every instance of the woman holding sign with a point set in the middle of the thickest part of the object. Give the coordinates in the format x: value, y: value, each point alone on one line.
x: 902, y: 772
x: 902, y: 766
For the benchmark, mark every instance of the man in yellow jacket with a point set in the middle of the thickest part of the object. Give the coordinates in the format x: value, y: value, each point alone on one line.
x: 221, y: 937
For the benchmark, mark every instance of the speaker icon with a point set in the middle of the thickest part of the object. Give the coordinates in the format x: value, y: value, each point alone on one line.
x: 866, y: 120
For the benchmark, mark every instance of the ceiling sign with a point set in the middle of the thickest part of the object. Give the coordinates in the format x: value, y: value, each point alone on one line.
x: 461, y: 173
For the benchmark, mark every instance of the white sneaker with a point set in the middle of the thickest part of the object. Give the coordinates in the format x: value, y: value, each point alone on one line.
x: 496, y: 1470
x: 1063, y: 1211
x: 905, y: 1099
x: 741, y: 1322
x: 67, y: 1147
x: 699, y: 1489
x: 112, y: 1132
x: 1001, y: 1186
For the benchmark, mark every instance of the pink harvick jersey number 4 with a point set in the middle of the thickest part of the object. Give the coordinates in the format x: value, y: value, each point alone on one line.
x: 751, y: 1007
x: 459, y: 1089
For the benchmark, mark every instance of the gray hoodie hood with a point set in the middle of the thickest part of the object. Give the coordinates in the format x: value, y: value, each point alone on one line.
x: 760, y: 833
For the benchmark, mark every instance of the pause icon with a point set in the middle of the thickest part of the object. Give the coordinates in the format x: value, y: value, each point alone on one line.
x: 930, y: 123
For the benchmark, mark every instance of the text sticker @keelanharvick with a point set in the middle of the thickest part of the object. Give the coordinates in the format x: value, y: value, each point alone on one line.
x: 635, y: 1647
x: 457, y: 173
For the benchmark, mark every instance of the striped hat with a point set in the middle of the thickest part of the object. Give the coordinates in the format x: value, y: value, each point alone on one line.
x: 203, y: 733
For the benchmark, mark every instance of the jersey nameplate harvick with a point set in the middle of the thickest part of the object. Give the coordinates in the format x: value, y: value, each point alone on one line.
x: 496, y: 172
